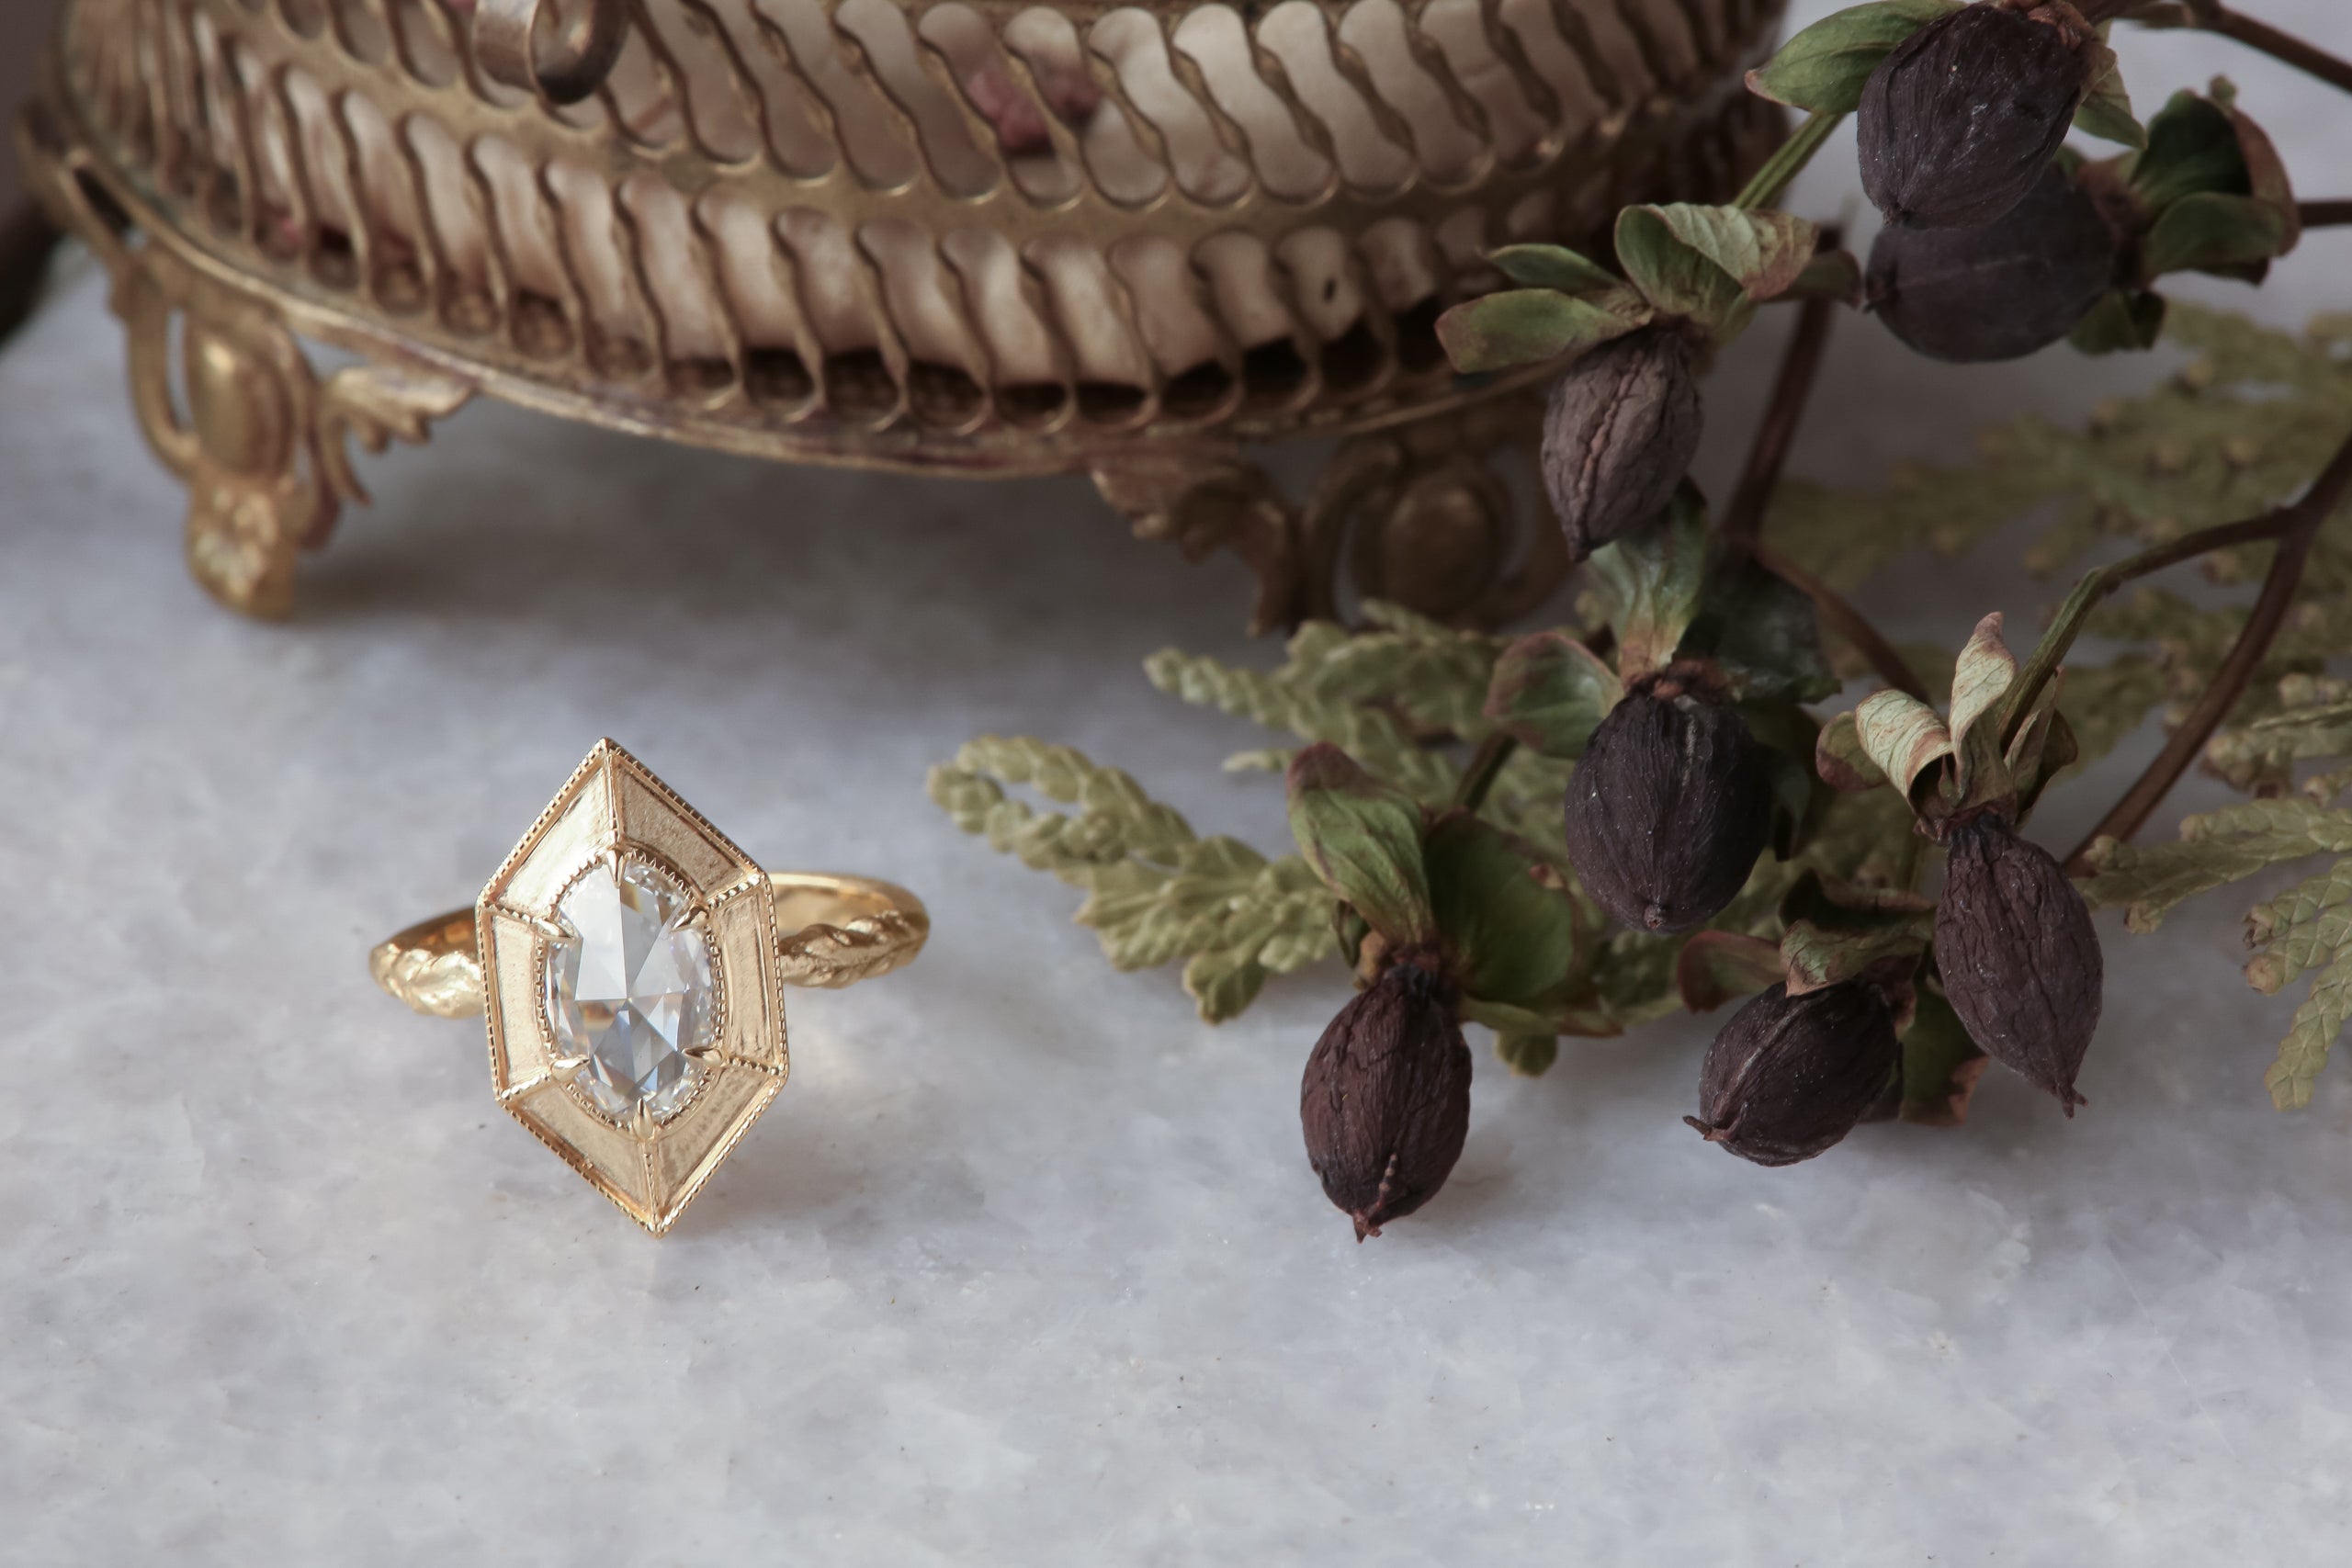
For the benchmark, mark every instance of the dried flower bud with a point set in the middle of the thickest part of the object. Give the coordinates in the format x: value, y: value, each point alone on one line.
x: 1020, y: 126
x: 1789, y: 1076
x: 2020, y: 959
x: 1961, y: 117
x: 2000, y: 291
x: 1669, y: 808
x: 1385, y: 1103
x: 1619, y: 435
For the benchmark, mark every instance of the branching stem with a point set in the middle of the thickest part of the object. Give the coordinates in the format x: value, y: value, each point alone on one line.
x: 1848, y: 622
x: 1743, y: 521
x: 2212, y: 17
x: 2294, y: 527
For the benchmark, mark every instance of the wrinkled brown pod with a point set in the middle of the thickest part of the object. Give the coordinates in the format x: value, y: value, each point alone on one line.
x: 1960, y: 118
x: 1788, y: 1077
x: 1386, y: 1101
x: 1619, y: 435
x: 2000, y: 291
x: 2020, y: 958
x: 1669, y: 807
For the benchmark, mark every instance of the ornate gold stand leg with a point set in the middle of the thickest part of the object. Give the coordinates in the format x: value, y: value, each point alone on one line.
x: 1416, y: 514
x: 261, y: 441
x: 258, y: 439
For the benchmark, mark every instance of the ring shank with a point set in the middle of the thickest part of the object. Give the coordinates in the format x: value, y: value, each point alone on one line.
x: 832, y: 930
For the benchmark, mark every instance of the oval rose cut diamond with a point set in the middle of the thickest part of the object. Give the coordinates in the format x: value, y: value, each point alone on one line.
x: 629, y: 988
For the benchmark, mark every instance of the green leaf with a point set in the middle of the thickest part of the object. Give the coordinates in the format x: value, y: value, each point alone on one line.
x: 1831, y: 275
x: 2212, y: 232
x: 1790, y: 736
x: 2045, y: 747
x: 1764, y: 633
x: 1815, y: 957
x: 2124, y: 321
x: 1521, y: 326
x: 1550, y: 691
x: 1981, y: 678
x: 1650, y: 584
x: 1902, y: 735
x: 1364, y: 839
x: 1528, y: 1056
x: 1514, y: 932
x: 1840, y: 758
x: 1824, y: 66
x: 2311, y: 1036
x: 1713, y: 264
x: 2106, y: 111
x: 1940, y: 1064
x: 1506, y: 1019
x: 2192, y: 146
x: 1717, y: 967
x: 1553, y: 266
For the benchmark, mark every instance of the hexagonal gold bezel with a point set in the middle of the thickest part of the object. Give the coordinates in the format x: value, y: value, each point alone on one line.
x: 614, y: 805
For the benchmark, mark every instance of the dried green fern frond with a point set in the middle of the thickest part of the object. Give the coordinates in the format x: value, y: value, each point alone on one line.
x: 2311, y: 719
x: 2307, y: 928
x: 2239, y: 429
x: 1381, y: 694
x: 2215, y: 849
x: 1156, y: 892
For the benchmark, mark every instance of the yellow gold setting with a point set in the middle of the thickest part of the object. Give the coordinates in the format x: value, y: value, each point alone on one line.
x: 723, y: 935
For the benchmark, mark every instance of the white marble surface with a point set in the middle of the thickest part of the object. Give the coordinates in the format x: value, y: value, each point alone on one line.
x: 1026, y: 1266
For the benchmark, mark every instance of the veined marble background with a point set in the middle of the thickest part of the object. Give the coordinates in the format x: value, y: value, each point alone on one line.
x: 1026, y: 1266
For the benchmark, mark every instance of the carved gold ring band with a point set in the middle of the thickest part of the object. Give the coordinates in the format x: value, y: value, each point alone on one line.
x: 632, y: 963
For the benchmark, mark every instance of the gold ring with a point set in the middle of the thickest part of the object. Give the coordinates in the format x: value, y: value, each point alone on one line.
x: 632, y: 963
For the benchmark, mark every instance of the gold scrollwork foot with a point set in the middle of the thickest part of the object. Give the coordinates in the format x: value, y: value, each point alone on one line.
x: 1206, y: 500
x: 258, y: 439
x: 1416, y: 514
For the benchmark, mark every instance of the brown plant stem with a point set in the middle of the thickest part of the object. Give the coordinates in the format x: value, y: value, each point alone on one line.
x: 2324, y: 214
x: 2211, y: 16
x: 2294, y: 527
x: 1743, y: 522
x: 1848, y: 622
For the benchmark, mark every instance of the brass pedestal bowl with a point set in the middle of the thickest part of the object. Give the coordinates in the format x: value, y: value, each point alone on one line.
x: 982, y: 237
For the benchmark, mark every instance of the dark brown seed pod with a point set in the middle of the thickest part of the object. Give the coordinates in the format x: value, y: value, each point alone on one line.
x: 1789, y: 1076
x: 1619, y: 435
x: 1386, y: 1101
x: 1960, y: 118
x: 2020, y: 958
x: 1669, y: 808
x: 2000, y: 291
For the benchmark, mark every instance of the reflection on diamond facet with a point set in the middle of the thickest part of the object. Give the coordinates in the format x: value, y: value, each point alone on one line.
x: 629, y: 988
